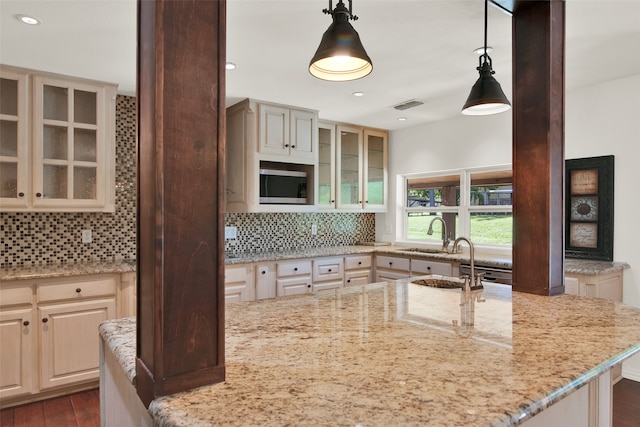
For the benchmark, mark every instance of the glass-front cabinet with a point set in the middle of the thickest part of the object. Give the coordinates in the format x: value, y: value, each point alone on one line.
x: 14, y: 129
x: 71, y: 145
x: 361, y: 169
x: 326, y: 165
x: 349, y: 167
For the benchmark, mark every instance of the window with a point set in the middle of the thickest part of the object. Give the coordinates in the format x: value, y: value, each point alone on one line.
x: 475, y: 203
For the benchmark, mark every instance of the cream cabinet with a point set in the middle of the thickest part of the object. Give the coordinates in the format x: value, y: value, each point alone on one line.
x: 17, y: 340
x: 57, y: 151
x: 421, y: 267
x: 392, y: 267
x: 49, y: 333
x: 289, y: 132
x: 239, y: 283
x: 265, y: 280
x: 263, y: 135
x: 328, y: 273
x: 361, y: 169
x: 293, y: 277
x: 608, y: 286
x: 357, y: 270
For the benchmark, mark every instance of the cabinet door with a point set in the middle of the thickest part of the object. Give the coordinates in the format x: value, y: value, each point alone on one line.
x: 14, y: 142
x: 325, y: 269
x: 72, y: 162
x: 383, y: 275
x: 357, y: 277
x: 293, y: 286
x: 265, y: 281
x: 326, y: 166
x: 16, y: 341
x: 349, y: 167
x: 375, y: 170
x: 302, y: 134
x: 238, y: 284
x: 69, y: 341
x: 274, y: 129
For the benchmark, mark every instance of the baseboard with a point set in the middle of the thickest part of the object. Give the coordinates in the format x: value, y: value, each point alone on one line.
x: 631, y: 373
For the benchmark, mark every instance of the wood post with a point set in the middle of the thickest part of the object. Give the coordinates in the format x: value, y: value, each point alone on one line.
x: 181, y: 144
x: 538, y: 146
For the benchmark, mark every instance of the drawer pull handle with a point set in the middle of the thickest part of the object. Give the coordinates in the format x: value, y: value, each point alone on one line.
x: 45, y: 320
x: 359, y: 262
x: 25, y: 323
x: 329, y: 270
x: 38, y: 194
x: 348, y: 280
x: 295, y: 268
x: 428, y: 268
x: 21, y: 194
x: 78, y: 290
x: 308, y: 286
x: 286, y: 145
x: 264, y: 272
x: 293, y: 146
x: 390, y: 263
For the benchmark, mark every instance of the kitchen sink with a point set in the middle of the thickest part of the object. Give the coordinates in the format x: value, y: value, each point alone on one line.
x: 440, y: 282
x: 426, y: 251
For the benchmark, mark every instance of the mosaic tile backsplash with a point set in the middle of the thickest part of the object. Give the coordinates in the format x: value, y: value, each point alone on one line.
x: 30, y: 239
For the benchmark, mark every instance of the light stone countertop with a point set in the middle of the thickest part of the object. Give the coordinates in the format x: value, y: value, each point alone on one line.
x: 576, y: 266
x: 395, y: 353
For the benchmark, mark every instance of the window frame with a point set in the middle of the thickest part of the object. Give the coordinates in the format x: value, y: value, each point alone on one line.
x: 464, y: 210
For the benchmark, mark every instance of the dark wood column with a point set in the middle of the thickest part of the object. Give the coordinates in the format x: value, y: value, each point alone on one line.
x: 538, y: 146
x: 181, y: 143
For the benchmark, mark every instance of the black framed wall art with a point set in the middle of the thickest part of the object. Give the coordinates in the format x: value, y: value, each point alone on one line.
x: 589, y: 208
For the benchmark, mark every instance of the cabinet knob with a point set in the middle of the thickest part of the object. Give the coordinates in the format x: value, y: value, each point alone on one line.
x: 38, y: 194
x: 295, y: 268
x: 359, y: 262
x: 428, y: 268
x: 366, y: 201
x: 359, y: 201
x: 25, y: 323
x: 309, y: 285
x: 329, y: 270
x: 333, y: 201
x: 45, y: 320
x: 21, y: 194
x: 348, y: 280
x: 78, y: 290
x: 264, y: 272
x: 293, y: 146
x: 390, y: 263
x: 286, y: 145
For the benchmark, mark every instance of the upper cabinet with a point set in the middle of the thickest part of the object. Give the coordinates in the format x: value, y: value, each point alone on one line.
x: 287, y: 132
x: 57, y: 149
x: 360, y: 182
x: 267, y: 143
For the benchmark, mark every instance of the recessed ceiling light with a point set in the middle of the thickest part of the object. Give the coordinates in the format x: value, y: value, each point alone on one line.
x: 402, y: 119
x: 230, y: 66
x: 480, y: 50
x: 29, y: 20
x: 358, y: 93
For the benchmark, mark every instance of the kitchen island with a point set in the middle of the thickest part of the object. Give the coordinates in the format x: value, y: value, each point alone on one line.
x: 397, y: 353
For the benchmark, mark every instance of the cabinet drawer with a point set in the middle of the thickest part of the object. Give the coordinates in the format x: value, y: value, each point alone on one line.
x: 235, y: 274
x: 392, y: 263
x: 15, y: 294
x: 327, y: 269
x: 76, y: 290
x: 293, y: 268
x: 423, y: 266
x: 357, y: 278
x: 357, y: 262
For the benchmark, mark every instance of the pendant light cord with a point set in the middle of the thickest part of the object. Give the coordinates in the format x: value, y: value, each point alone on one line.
x: 486, y: 6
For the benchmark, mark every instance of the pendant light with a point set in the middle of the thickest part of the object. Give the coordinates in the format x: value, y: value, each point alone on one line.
x: 486, y: 95
x: 340, y: 56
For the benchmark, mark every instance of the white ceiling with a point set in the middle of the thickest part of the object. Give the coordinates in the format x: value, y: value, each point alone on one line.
x: 421, y: 49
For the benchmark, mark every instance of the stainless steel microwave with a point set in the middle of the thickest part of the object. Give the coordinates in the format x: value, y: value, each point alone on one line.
x: 284, y: 187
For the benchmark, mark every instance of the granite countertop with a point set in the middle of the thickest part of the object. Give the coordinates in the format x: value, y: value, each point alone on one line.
x: 66, y: 270
x: 395, y: 353
x: 575, y: 266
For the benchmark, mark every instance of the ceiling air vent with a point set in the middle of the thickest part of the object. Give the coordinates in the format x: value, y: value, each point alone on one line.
x: 407, y: 104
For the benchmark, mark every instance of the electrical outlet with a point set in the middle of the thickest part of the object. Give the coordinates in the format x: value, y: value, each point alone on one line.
x: 231, y: 232
x: 387, y: 229
x: 86, y: 236
x: 314, y: 229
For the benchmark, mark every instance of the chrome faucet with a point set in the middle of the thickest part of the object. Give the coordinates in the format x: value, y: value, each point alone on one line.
x: 472, y: 281
x: 445, y: 239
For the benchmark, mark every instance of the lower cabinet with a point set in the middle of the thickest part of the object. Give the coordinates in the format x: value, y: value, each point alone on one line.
x: 265, y: 280
x: 608, y: 286
x: 392, y: 268
x: 425, y: 266
x: 49, y: 334
x: 357, y: 270
x: 328, y: 273
x: 293, y: 277
x: 238, y: 283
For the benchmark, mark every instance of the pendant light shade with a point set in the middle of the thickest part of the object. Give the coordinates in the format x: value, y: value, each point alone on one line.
x: 340, y: 56
x: 486, y: 95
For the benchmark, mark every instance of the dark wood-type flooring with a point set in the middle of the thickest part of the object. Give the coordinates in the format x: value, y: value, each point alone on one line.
x: 83, y: 409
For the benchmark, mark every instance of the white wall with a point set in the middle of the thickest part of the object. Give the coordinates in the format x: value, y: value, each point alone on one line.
x: 599, y: 120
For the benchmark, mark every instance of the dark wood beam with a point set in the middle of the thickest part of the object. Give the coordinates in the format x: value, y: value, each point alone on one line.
x: 181, y: 143
x: 538, y: 146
